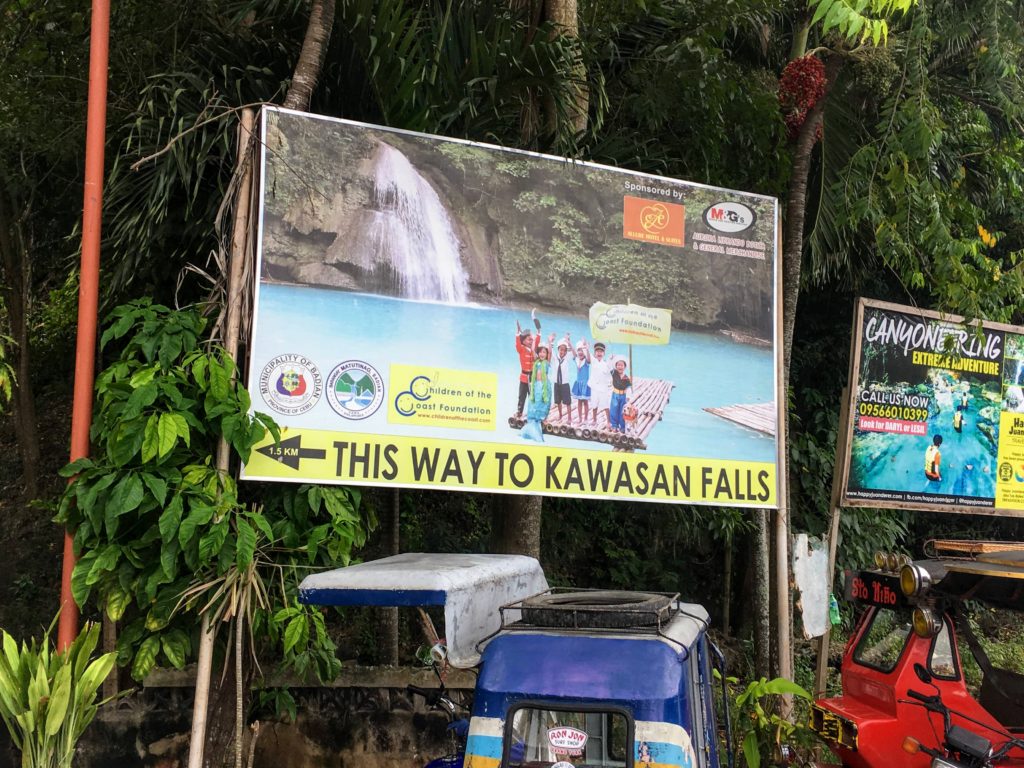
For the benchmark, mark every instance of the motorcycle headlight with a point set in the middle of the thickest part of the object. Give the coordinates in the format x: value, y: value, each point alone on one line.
x: 926, y: 622
x: 914, y: 579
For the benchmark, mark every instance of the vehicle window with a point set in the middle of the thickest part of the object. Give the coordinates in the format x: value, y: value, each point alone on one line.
x: 882, y: 643
x: 1001, y: 635
x: 941, y: 662
x: 537, y: 738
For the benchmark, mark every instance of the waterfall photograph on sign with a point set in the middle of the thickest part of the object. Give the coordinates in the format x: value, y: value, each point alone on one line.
x: 452, y: 295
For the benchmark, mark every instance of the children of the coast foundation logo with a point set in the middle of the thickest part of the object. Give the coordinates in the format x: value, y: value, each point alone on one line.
x: 355, y: 389
x: 291, y: 384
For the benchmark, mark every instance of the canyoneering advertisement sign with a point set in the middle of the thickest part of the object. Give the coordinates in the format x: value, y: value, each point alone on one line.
x: 937, y: 413
x: 440, y: 314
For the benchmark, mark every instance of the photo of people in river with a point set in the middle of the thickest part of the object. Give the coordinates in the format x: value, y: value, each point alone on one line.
x: 449, y: 291
x: 929, y: 410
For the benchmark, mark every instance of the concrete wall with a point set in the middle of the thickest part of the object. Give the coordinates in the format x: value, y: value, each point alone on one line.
x: 335, y: 728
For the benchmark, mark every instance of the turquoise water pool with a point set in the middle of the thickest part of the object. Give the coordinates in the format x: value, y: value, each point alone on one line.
x: 329, y: 327
x: 881, y: 461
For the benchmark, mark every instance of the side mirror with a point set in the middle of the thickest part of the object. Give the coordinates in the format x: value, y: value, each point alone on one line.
x: 922, y: 674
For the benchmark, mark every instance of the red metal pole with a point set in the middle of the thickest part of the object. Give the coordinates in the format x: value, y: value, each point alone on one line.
x: 88, y: 290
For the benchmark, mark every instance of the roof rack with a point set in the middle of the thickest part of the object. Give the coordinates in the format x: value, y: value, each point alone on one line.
x: 969, y: 549
x: 644, y: 617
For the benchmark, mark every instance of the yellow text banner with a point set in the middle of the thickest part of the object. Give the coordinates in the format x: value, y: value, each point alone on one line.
x: 630, y: 324
x: 306, y: 455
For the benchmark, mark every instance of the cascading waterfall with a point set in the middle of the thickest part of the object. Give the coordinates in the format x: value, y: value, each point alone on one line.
x: 411, y: 232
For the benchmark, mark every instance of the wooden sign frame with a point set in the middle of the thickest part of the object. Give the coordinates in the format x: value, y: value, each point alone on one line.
x: 844, y: 451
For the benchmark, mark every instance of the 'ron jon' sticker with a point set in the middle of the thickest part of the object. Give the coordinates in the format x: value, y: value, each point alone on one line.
x: 567, y: 741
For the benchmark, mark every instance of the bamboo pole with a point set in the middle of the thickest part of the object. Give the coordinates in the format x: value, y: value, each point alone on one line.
x: 239, y: 239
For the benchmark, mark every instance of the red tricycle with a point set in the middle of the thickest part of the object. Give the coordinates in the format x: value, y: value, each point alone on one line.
x: 905, y: 697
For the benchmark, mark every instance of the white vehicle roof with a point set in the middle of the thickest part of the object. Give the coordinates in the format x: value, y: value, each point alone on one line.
x: 470, y: 587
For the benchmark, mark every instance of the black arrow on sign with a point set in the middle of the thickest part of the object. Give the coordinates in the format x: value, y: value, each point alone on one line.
x: 290, y: 452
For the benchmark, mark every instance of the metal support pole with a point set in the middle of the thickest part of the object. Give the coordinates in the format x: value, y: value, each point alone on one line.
x: 88, y: 289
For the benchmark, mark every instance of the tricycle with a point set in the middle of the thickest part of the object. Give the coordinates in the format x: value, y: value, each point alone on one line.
x: 566, y: 678
x: 905, y: 697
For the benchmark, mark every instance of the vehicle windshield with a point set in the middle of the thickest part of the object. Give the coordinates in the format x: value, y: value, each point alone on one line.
x: 539, y: 738
x: 883, y: 641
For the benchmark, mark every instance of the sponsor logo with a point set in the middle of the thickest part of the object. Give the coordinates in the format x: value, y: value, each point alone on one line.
x: 1018, y: 473
x: 1005, y: 471
x: 653, y: 221
x: 355, y: 389
x: 418, y: 392
x: 729, y: 217
x: 291, y: 384
x: 567, y: 741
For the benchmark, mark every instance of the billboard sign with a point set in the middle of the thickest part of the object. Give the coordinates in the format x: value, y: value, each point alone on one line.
x: 937, y: 413
x: 438, y: 313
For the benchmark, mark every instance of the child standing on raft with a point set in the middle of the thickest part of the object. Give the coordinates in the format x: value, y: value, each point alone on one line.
x: 581, y: 387
x: 538, y: 402
x: 621, y: 384
x: 600, y: 383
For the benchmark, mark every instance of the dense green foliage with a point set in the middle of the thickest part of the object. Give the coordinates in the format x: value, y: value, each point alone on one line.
x: 48, y: 697
x: 155, y: 520
x: 915, y: 195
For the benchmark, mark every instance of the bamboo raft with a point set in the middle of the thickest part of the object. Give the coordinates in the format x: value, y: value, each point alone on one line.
x: 758, y: 416
x: 648, y: 396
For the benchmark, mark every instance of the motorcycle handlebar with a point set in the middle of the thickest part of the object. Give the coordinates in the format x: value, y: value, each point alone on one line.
x: 434, y: 697
x: 924, y: 698
x: 430, y: 694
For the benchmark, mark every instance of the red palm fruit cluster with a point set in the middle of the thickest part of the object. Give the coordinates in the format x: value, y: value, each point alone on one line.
x: 801, y: 85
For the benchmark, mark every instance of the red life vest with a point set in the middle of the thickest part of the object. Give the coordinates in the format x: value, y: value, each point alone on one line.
x: 526, y: 357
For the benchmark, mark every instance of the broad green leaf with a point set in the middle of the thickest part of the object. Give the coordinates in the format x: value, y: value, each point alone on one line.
x: 246, y: 544
x: 72, y: 469
x: 169, y: 558
x: 151, y: 439
x: 144, y: 377
x: 176, y: 648
x: 80, y: 586
x: 210, y: 543
x: 181, y: 427
x: 145, y: 657
x: 170, y: 519
x: 117, y: 601
x: 57, y: 706
x: 157, y: 486
x: 94, y: 676
x: 199, y: 515
x: 296, y: 634
x: 781, y: 685
x: 751, y: 752
x: 168, y: 434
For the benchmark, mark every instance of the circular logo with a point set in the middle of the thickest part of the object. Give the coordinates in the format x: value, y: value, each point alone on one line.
x: 654, y: 218
x: 1005, y: 471
x: 729, y: 217
x: 291, y: 384
x: 355, y: 390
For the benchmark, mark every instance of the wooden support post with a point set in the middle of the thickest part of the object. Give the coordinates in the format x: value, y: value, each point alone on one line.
x: 783, y: 629
x: 821, y: 670
x: 239, y: 243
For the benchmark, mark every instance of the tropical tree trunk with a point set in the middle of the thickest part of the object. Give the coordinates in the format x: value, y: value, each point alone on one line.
x: 564, y: 15
x: 14, y: 287
x: 796, y: 208
x: 311, y: 58
x: 517, y: 525
x: 762, y: 594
